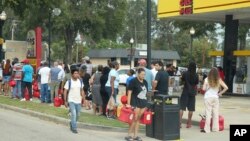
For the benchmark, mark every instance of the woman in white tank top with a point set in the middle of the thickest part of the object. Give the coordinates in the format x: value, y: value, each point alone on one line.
x: 212, y: 86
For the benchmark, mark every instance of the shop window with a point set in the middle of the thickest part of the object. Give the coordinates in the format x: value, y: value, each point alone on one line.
x: 125, y: 61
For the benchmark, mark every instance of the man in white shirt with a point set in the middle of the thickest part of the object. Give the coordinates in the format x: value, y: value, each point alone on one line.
x: 44, y: 73
x: 73, y: 96
x: 153, y: 70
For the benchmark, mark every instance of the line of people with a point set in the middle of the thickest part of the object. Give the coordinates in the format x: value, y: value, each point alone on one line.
x: 20, y: 72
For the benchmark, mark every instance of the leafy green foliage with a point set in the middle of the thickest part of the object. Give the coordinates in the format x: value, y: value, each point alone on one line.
x: 109, y: 44
x: 93, y: 18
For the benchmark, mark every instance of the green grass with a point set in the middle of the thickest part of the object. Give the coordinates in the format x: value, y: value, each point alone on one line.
x: 62, y: 112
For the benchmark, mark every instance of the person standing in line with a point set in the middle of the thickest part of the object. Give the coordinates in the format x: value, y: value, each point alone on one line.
x: 27, y: 77
x: 1, y: 77
x: 211, y: 87
x: 6, y: 76
x: 131, y: 76
x: 96, y: 90
x: 67, y: 74
x: 113, y: 80
x: 149, y: 76
x: 137, y: 91
x: 187, y: 100
x: 85, y: 79
x: 44, y: 73
x: 38, y: 77
x: 112, y: 85
x: 17, y: 76
x: 104, y: 94
x: 153, y: 70
x: 73, y: 95
x: 61, y: 74
x: 161, y: 82
x: 130, y: 73
x: 54, y: 81
x: 169, y: 69
x: 87, y: 63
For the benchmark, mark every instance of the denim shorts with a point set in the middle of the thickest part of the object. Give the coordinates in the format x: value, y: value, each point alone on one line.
x: 6, y: 78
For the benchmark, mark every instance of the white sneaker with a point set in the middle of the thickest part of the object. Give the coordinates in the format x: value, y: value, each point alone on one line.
x: 30, y: 99
x: 23, y: 99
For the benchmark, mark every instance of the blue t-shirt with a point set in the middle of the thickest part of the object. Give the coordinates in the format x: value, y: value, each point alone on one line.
x: 149, y: 78
x: 27, y: 72
x: 129, y: 80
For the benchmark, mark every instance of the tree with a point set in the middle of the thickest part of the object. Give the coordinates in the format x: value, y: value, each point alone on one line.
x: 136, y: 21
x: 110, y: 44
x: 164, y: 35
x: 95, y: 19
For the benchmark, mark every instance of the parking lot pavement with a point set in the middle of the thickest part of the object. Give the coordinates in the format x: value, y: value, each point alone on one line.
x: 235, y: 110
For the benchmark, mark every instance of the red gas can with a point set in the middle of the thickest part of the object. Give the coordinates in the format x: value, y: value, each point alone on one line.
x: 35, y: 87
x: 36, y: 94
x: 60, y: 96
x: 12, y: 83
x: 146, y: 117
x: 57, y: 102
x: 126, y: 115
x: 221, y: 123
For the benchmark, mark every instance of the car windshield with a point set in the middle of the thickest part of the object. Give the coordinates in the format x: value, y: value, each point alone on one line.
x: 122, y: 71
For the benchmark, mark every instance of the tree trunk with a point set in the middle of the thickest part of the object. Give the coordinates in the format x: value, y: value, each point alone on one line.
x: 69, y: 40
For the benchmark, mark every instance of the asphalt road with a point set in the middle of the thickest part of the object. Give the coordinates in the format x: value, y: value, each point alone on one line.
x: 20, y: 127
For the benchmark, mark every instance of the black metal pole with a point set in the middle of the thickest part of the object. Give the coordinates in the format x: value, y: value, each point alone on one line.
x: 49, y: 36
x: 191, y: 46
x: 130, y: 55
x: 148, y: 33
x: 1, y: 36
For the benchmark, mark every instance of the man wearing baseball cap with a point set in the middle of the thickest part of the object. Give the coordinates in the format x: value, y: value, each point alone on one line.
x: 27, y: 76
x: 149, y: 75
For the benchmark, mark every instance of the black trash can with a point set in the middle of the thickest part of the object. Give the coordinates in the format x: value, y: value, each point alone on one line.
x: 150, y: 127
x: 166, y: 115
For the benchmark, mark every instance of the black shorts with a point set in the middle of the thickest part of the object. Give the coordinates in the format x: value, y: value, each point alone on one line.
x: 187, y: 102
x: 88, y: 96
x: 139, y: 103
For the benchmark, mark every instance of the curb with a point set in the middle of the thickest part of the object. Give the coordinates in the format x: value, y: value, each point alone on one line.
x: 62, y: 121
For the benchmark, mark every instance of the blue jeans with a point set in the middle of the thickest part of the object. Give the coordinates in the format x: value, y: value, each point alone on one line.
x: 109, y: 91
x: 75, y: 110
x: 17, y: 90
x: 45, y: 97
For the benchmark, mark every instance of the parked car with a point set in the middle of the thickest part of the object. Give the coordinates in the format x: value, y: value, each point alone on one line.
x: 123, y: 76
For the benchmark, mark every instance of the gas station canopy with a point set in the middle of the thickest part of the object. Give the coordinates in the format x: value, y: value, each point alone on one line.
x: 231, y: 12
x: 201, y: 10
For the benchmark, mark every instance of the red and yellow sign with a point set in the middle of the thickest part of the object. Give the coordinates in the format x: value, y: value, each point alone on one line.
x: 172, y: 8
x: 32, y: 61
x: 186, y: 7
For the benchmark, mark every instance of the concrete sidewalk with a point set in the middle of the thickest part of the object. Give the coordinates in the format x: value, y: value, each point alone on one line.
x: 235, y: 110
